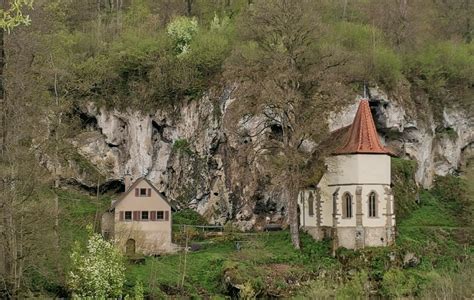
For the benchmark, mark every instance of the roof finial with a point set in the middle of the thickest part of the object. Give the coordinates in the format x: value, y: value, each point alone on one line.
x: 365, y: 91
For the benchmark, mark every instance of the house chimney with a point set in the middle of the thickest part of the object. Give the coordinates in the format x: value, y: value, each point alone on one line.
x: 127, y: 180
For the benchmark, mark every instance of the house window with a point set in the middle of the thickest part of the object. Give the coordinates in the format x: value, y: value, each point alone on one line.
x: 144, y: 215
x: 128, y: 216
x: 160, y: 215
x: 347, y: 206
x: 372, y: 205
x: 142, y: 192
x: 311, y: 204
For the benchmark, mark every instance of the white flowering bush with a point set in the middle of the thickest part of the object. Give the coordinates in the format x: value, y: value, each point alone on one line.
x: 181, y: 31
x: 218, y: 24
x: 98, y: 271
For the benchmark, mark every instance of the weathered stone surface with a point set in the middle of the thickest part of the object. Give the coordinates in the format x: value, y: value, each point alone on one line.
x: 410, y: 260
x: 192, y: 155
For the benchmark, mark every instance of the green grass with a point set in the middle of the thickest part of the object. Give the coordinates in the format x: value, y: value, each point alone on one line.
x: 262, y: 256
x: 77, y: 210
x: 431, y: 212
x: 267, y: 265
x: 166, y: 272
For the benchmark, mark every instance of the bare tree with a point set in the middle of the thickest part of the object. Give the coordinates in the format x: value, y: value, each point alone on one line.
x: 281, y: 73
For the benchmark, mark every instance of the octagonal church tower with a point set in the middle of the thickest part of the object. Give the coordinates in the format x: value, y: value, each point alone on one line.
x: 353, y: 202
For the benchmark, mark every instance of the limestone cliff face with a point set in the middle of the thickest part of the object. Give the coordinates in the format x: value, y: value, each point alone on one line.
x: 191, y: 156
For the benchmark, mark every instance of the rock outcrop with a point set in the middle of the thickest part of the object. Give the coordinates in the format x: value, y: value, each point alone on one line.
x: 191, y: 156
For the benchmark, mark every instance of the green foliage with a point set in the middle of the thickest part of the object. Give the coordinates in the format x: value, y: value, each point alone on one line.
x: 439, y: 64
x: 442, y: 68
x: 98, y: 271
x: 397, y: 283
x: 183, y: 146
x: 13, y: 16
x: 138, y: 291
x: 446, y: 132
x: 430, y: 212
x: 405, y: 189
x: 148, y: 62
x: 369, y: 58
x: 182, y: 30
x: 452, y: 190
x: 354, y: 288
x: 188, y: 217
x: 264, y: 263
x: 183, y: 234
x: 387, y: 66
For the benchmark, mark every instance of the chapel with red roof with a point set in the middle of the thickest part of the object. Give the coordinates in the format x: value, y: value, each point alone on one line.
x: 353, y: 203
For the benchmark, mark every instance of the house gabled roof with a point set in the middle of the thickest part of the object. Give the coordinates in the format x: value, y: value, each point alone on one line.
x: 361, y: 137
x: 132, y: 187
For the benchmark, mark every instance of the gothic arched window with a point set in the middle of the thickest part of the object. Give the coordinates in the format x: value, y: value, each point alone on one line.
x: 347, y: 205
x: 372, y: 205
x: 311, y: 204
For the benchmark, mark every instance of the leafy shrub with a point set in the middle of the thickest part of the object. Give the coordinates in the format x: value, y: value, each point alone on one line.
x: 138, y: 291
x: 387, y: 66
x: 452, y: 190
x: 186, y: 233
x: 397, y: 284
x: 182, y: 30
x: 405, y: 188
x: 98, y: 271
x: 182, y: 145
x: 208, y: 52
x: 354, y: 288
x: 188, y: 217
x: 440, y: 63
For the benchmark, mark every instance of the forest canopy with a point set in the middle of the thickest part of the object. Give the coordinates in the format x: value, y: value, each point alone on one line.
x: 156, y: 53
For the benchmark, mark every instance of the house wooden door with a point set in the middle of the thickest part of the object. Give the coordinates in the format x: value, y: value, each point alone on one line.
x: 130, y: 247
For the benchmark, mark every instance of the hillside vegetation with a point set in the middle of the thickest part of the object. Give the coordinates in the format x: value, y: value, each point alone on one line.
x: 432, y: 257
x: 151, y: 55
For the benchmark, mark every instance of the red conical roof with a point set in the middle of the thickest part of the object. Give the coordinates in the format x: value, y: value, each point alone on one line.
x: 361, y: 136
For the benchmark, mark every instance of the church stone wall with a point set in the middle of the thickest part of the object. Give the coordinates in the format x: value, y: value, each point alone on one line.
x: 375, y: 236
x: 346, y: 237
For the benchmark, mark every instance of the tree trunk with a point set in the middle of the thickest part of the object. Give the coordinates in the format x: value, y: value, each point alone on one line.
x: 3, y: 100
x: 293, y: 214
x: 189, y: 7
x: 468, y: 32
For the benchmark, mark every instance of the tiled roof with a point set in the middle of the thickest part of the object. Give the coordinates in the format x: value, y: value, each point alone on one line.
x: 361, y: 136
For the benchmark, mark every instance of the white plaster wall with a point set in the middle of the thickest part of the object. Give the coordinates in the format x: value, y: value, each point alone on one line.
x: 149, y: 235
x: 346, y: 172
x: 359, y: 169
x: 305, y: 218
x: 326, y: 197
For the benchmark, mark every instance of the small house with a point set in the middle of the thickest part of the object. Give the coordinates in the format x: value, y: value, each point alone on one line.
x: 140, y: 220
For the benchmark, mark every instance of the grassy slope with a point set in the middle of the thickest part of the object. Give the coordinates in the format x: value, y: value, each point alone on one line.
x: 268, y: 265
x: 263, y: 256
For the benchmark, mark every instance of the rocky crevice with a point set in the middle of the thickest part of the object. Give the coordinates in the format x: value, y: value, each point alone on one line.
x: 192, y: 157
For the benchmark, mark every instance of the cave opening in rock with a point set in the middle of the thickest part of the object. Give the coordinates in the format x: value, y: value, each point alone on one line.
x: 112, y: 186
x: 276, y: 132
x: 87, y: 121
x: 157, y: 133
